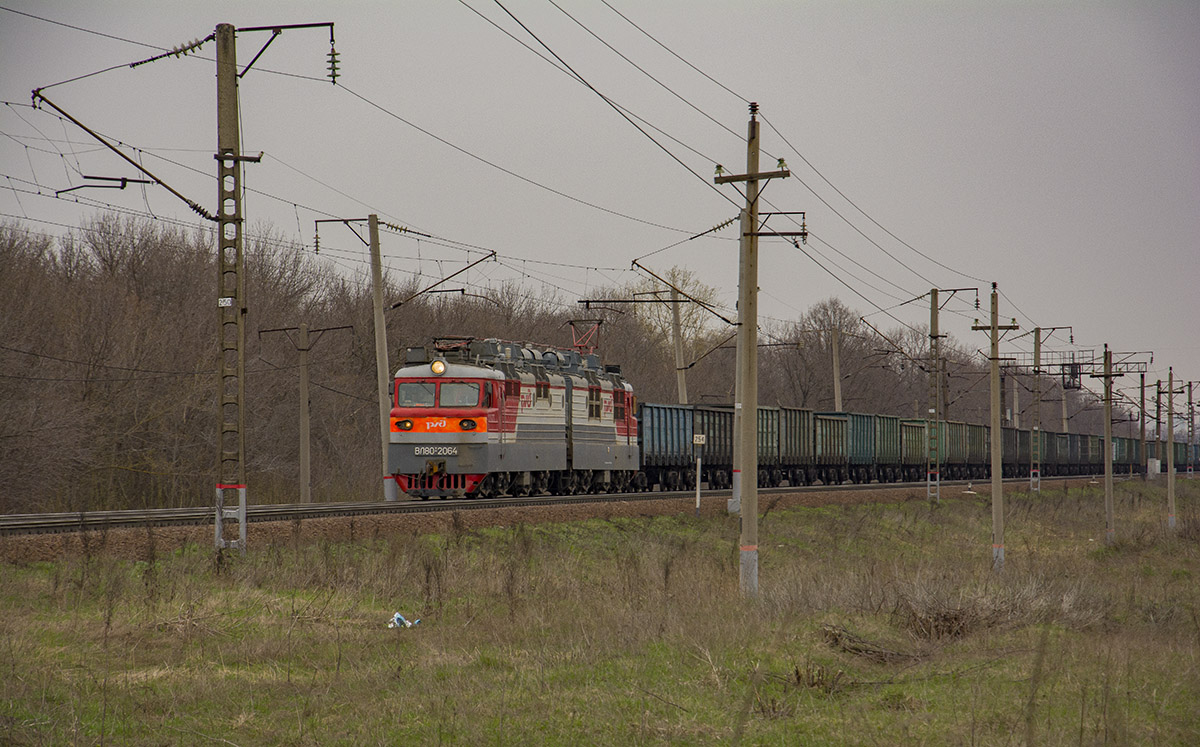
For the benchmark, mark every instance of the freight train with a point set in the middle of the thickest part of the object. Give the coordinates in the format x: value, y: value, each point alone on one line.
x: 484, y: 418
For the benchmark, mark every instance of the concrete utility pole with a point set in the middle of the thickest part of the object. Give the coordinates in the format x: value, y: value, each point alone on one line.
x: 305, y: 429
x: 1110, y: 536
x: 1035, y: 434
x: 1145, y: 456
x: 1191, y: 439
x: 231, y: 284
x: 1110, y: 372
x: 996, y: 434
x: 231, y: 301
x: 680, y: 369
x: 303, y: 345
x: 1005, y: 411
x: 1015, y: 416
x: 835, y: 346
x: 939, y: 396
x: 745, y: 471
x: 391, y: 491
x: 1066, y: 423
x: 747, y: 368
x: 1158, y: 453
x: 1170, y: 447
x: 933, y: 477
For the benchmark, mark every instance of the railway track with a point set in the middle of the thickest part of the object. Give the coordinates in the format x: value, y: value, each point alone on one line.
x: 94, y: 521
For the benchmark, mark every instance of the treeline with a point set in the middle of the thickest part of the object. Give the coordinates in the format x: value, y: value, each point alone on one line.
x: 108, y: 364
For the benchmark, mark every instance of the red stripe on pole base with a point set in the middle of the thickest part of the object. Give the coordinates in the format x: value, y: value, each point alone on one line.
x: 221, y: 486
x: 749, y: 548
x: 391, y: 488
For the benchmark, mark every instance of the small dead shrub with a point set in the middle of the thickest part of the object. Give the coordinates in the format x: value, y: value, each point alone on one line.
x: 843, y: 640
x: 814, y: 675
x: 932, y: 617
x: 772, y: 707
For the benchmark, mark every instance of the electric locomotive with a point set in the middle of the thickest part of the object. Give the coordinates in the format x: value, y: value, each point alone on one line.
x: 483, y: 418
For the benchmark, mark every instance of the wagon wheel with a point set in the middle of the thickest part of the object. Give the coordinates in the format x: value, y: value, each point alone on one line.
x: 520, y: 484
x: 583, y: 481
x: 500, y: 484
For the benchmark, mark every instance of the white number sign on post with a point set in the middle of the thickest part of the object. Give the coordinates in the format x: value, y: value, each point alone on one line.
x: 698, y: 442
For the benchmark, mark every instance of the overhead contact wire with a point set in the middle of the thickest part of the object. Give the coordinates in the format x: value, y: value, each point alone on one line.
x: 500, y: 168
x: 616, y: 108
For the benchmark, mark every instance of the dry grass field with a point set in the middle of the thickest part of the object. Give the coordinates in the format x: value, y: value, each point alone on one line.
x: 876, y: 624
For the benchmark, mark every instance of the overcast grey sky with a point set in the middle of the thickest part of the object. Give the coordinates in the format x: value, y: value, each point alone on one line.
x: 1052, y: 147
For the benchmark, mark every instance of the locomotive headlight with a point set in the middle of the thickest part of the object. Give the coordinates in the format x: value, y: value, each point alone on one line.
x: 438, y: 367
x: 467, y: 425
x: 405, y: 425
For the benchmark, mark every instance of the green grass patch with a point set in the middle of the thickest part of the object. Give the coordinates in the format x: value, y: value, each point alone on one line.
x: 874, y: 624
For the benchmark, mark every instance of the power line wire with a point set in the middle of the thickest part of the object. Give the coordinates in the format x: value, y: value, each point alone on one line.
x: 851, y: 288
x: 735, y: 94
x: 568, y: 73
x: 616, y: 108
x: 865, y: 214
x: 502, y: 169
x: 79, y: 28
x: 643, y: 71
x: 786, y: 141
x: 769, y: 124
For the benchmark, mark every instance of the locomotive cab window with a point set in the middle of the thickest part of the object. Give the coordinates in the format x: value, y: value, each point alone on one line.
x: 593, y: 402
x: 415, y: 394
x: 619, y: 404
x: 459, y: 394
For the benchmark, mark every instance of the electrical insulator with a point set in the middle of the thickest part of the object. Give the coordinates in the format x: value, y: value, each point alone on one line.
x: 333, y: 65
x: 316, y: 243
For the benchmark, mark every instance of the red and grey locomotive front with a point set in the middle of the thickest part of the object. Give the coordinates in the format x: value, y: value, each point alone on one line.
x: 440, y: 424
x: 486, y: 417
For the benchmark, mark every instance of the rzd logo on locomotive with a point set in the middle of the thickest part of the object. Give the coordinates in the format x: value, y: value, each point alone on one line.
x: 435, y: 424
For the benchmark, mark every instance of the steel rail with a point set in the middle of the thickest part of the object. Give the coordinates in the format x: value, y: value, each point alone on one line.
x: 94, y: 521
